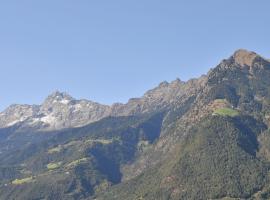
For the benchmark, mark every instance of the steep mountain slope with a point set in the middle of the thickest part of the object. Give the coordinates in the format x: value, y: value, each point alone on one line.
x: 231, y: 111
x: 216, y: 160
x: 76, y: 163
x: 207, y: 138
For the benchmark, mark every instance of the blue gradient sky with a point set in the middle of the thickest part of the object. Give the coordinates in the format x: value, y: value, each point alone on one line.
x: 109, y: 51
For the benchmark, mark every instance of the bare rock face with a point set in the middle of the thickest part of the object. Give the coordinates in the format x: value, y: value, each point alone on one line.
x: 17, y: 113
x: 244, y: 57
x: 58, y: 111
x: 248, y: 60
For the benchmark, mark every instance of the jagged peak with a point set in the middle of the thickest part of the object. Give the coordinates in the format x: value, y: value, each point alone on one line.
x: 164, y: 84
x: 177, y: 82
x: 58, y: 96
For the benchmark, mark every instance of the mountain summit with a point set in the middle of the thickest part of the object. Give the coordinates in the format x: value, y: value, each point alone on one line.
x: 58, y: 96
x: 59, y: 110
x: 244, y: 57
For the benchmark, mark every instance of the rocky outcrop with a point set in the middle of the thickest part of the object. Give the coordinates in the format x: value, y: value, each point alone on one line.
x: 17, y: 113
x: 244, y: 58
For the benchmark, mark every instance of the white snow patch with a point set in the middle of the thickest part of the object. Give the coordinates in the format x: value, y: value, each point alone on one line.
x: 64, y: 101
x: 12, y: 123
x: 16, y: 121
x: 35, y: 120
x: 49, y: 119
x: 91, y: 107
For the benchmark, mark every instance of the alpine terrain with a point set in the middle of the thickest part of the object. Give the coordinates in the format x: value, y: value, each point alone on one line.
x: 206, y: 138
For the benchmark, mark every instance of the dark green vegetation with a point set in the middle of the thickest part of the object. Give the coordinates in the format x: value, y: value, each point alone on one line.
x: 216, y: 160
x: 211, y: 144
x: 76, y: 163
x: 226, y: 112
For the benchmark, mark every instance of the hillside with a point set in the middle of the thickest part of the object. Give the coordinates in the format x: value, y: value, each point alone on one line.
x: 207, y: 138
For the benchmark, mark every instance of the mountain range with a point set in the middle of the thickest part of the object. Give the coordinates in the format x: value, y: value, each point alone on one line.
x: 206, y: 138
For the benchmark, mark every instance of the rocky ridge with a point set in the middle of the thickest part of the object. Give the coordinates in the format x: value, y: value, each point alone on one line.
x: 60, y: 110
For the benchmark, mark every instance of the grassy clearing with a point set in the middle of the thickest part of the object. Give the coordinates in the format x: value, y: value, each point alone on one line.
x: 60, y: 148
x: 226, y: 112
x: 99, y: 141
x: 77, y: 162
x: 72, y: 143
x: 53, y: 166
x: 221, y: 101
x: 23, y: 181
x: 55, y: 150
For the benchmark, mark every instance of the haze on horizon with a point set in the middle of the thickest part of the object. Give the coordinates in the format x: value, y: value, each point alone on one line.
x: 111, y: 51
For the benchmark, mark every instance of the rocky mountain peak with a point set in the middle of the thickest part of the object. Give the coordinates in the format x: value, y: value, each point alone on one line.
x: 244, y: 57
x: 163, y: 84
x: 59, y: 97
x: 244, y: 60
x: 177, y: 81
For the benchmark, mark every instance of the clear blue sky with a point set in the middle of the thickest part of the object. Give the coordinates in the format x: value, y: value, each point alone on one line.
x: 109, y: 51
